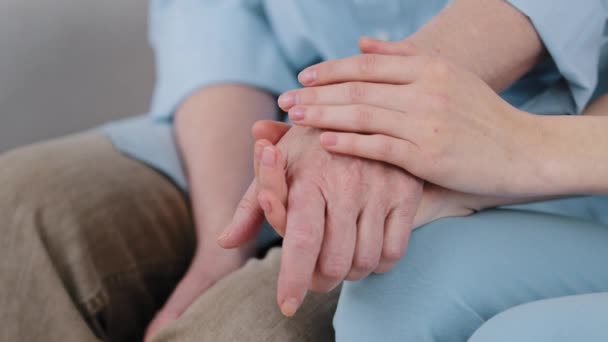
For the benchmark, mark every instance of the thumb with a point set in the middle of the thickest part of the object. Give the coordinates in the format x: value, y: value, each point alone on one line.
x: 381, y: 47
x: 246, y: 222
x: 272, y: 187
x: 269, y: 130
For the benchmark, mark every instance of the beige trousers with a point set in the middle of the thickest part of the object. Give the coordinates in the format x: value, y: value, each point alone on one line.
x: 92, y: 243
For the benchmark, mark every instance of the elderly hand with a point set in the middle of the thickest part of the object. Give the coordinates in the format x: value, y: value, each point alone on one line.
x: 437, y: 121
x: 436, y: 202
x: 346, y: 216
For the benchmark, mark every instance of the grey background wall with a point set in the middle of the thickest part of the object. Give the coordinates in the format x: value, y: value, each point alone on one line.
x: 68, y: 65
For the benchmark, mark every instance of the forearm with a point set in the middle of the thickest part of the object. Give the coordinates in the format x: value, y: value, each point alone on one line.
x: 213, y: 133
x: 488, y: 37
x: 571, y: 160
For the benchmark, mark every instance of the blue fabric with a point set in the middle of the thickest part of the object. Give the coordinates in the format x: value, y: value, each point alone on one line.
x: 574, y: 34
x: 565, y: 319
x: 458, y: 273
x: 265, y: 43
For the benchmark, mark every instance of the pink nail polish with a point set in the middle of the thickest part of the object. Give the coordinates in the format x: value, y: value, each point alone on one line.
x: 329, y: 139
x: 308, y: 76
x: 297, y: 113
x: 287, y: 99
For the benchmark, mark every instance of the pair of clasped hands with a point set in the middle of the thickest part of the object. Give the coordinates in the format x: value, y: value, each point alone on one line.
x: 382, y: 143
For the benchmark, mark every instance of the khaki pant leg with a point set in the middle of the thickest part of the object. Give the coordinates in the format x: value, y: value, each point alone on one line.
x: 91, y: 242
x: 242, y: 308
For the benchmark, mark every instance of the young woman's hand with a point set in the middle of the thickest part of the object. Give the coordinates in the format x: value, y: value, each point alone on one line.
x: 437, y: 121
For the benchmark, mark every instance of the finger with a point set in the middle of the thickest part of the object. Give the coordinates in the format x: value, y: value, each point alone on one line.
x: 397, y: 232
x: 367, y: 67
x: 338, y: 249
x: 399, y: 152
x: 188, y: 289
x: 257, y: 154
x: 353, y: 118
x: 370, y: 237
x: 246, y: 222
x: 374, y: 94
x: 272, y: 187
x: 274, y: 210
x: 376, y: 46
x: 269, y: 130
x: 301, y: 246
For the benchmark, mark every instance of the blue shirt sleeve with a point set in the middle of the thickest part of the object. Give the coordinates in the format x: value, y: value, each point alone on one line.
x: 203, y: 42
x: 574, y: 33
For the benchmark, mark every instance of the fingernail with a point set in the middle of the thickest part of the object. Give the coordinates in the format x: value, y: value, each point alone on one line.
x: 297, y: 113
x: 287, y: 99
x: 269, y: 157
x: 329, y: 139
x: 289, y: 307
x: 308, y: 76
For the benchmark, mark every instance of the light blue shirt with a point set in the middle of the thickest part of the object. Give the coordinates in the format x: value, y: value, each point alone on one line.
x: 265, y: 43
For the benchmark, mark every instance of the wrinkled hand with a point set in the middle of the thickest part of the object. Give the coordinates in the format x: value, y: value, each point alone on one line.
x: 436, y: 202
x: 424, y: 114
x: 346, y: 216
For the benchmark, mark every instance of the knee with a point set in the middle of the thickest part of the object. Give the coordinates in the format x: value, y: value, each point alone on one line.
x: 429, y: 296
x: 571, y: 318
x: 443, y: 289
x: 31, y: 182
x: 46, y: 187
x: 24, y: 181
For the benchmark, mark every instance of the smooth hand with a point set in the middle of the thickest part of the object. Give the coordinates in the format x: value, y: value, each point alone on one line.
x: 346, y: 217
x: 423, y: 114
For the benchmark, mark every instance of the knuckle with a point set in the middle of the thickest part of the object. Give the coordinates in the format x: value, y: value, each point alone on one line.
x: 297, y: 200
x: 318, y: 113
x: 304, y: 237
x: 356, y: 92
x: 385, y: 147
x: 392, y: 253
x: 363, y: 116
x: 439, y: 68
x: 405, y: 213
x: 365, y: 262
x: 307, y: 96
x: 333, y: 267
x: 367, y: 64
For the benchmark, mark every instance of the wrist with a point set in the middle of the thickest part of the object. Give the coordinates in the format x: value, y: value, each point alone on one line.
x: 548, y: 173
x: 438, y: 202
x: 532, y: 157
x: 571, y: 161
